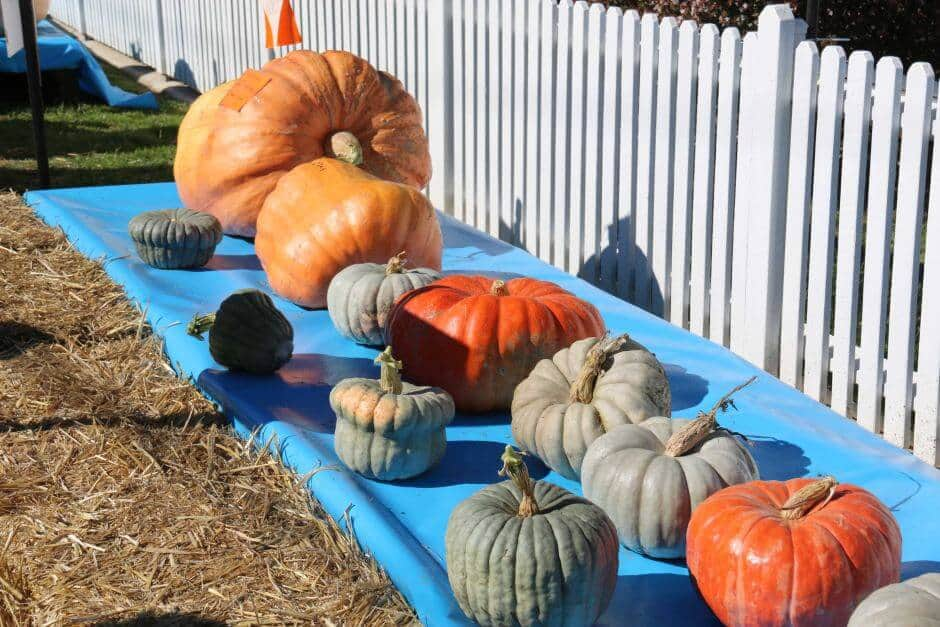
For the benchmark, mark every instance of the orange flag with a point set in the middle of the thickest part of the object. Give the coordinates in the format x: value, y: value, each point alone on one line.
x: 280, y: 25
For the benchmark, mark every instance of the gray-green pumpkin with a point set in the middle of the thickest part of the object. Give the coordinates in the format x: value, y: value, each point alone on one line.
x: 911, y: 603
x: 247, y: 333
x: 650, y: 477
x: 583, y: 392
x: 360, y: 296
x: 525, y: 552
x: 175, y: 238
x: 388, y: 428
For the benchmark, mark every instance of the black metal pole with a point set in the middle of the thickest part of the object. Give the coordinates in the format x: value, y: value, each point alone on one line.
x: 34, y: 83
x: 812, y: 18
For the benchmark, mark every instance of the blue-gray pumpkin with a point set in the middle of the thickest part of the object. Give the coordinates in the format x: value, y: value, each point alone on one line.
x: 175, y: 238
x: 525, y: 552
x: 247, y: 333
x: 911, y: 603
x: 360, y: 296
x: 389, y: 429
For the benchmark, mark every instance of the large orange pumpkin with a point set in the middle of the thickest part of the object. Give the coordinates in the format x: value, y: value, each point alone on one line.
x: 801, y: 552
x: 238, y: 139
x: 326, y: 215
x: 478, y: 338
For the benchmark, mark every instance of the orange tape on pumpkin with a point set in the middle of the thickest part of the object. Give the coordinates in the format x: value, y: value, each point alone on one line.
x: 244, y: 89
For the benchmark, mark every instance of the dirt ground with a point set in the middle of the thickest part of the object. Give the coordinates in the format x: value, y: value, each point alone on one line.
x: 124, y: 497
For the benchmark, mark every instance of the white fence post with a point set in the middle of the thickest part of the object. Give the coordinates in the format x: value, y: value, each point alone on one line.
x: 441, y: 103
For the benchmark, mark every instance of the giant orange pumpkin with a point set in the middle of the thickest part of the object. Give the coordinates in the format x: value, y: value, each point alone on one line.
x: 801, y: 552
x: 478, y: 338
x: 326, y: 215
x: 238, y: 139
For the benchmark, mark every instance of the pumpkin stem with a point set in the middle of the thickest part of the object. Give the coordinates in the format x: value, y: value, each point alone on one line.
x: 345, y: 147
x: 803, y: 500
x: 390, y: 374
x: 498, y: 288
x: 514, y: 468
x: 689, y: 436
x: 582, y: 390
x: 201, y: 323
x: 395, y: 265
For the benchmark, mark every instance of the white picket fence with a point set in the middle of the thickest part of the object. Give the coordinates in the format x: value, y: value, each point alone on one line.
x: 737, y: 186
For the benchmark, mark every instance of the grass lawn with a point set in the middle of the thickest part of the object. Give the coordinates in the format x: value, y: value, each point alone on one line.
x: 91, y: 143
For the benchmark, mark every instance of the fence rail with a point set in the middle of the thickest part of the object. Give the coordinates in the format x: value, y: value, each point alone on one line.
x: 778, y: 200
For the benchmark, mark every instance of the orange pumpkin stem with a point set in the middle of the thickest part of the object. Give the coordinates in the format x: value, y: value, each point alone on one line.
x: 396, y: 265
x: 390, y: 374
x: 345, y: 147
x: 806, y: 498
x: 688, y: 437
x: 582, y: 390
x: 514, y: 467
x: 498, y: 288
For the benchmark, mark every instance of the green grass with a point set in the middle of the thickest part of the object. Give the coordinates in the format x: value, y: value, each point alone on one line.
x: 91, y: 143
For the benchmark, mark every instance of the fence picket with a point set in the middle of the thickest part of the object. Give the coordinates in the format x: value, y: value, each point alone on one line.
x: 527, y: 206
x: 664, y: 157
x: 848, y: 259
x: 482, y: 118
x: 493, y: 91
x: 544, y: 122
x: 607, y: 227
x: 507, y: 226
x: 576, y: 140
x: 626, y: 189
x: 593, y: 144
x: 560, y: 149
x: 905, y: 266
x: 646, y: 123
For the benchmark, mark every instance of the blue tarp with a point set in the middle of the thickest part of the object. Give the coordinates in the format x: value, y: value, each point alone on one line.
x: 403, y: 523
x: 60, y: 51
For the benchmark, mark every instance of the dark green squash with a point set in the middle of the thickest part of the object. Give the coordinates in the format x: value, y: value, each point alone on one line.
x: 175, y: 238
x: 247, y: 333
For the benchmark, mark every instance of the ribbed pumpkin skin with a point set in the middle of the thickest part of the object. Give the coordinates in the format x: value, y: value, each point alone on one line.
x: 390, y: 436
x: 558, y: 567
x: 175, y: 238
x: 650, y: 496
x: 360, y: 297
x: 911, y: 603
x: 478, y: 346
x: 250, y: 334
x: 326, y: 215
x: 558, y: 431
x: 755, y: 569
x: 227, y: 161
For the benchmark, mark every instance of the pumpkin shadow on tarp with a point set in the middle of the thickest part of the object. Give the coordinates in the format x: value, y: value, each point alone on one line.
x: 688, y: 389
x: 471, y: 462
x: 297, y: 394
x: 458, y: 235
x: 639, y: 600
x: 917, y: 568
x: 231, y: 262
x: 777, y: 460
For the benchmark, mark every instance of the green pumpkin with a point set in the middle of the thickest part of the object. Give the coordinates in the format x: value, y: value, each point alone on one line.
x: 247, y: 333
x: 582, y: 392
x: 389, y: 429
x: 526, y: 552
x: 360, y: 296
x: 911, y: 603
x: 650, y: 477
x: 175, y: 238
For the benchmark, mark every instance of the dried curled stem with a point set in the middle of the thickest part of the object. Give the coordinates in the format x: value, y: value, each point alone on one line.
x: 390, y: 374
x: 688, y: 437
x: 582, y: 390
x: 201, y: 323
x: 514, y: 468
x: 498, y: 288
x: 346, y: 147
x: 803, y: 500
x: 396, y: 265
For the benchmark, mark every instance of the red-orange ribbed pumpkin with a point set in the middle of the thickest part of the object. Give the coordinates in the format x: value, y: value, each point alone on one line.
x: 771, y: 553
x: 240, y: 138
x: 477, y: 337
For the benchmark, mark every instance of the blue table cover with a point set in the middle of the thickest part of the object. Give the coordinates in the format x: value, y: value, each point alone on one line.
x: 402, y: 524
x: 60, y: 51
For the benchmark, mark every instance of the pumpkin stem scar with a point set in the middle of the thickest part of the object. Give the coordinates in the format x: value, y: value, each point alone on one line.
x: 200, y: 324
x: 514, y: 467
x: 345, y: 147
x: 396, y: 264
x: 688, y: 437
x: 582, y: 390
x: 805, y: 499
x: 390, y: 376
x: 498, y: 288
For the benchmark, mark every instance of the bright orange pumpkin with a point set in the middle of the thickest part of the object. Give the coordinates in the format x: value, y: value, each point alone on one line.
x: 477, y: 337
x: 800, y: 552
x: 327, y: 214
x: 238, y: 139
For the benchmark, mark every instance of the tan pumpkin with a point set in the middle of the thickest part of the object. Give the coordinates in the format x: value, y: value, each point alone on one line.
x: 240, y: 138
x: 327, y: 215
